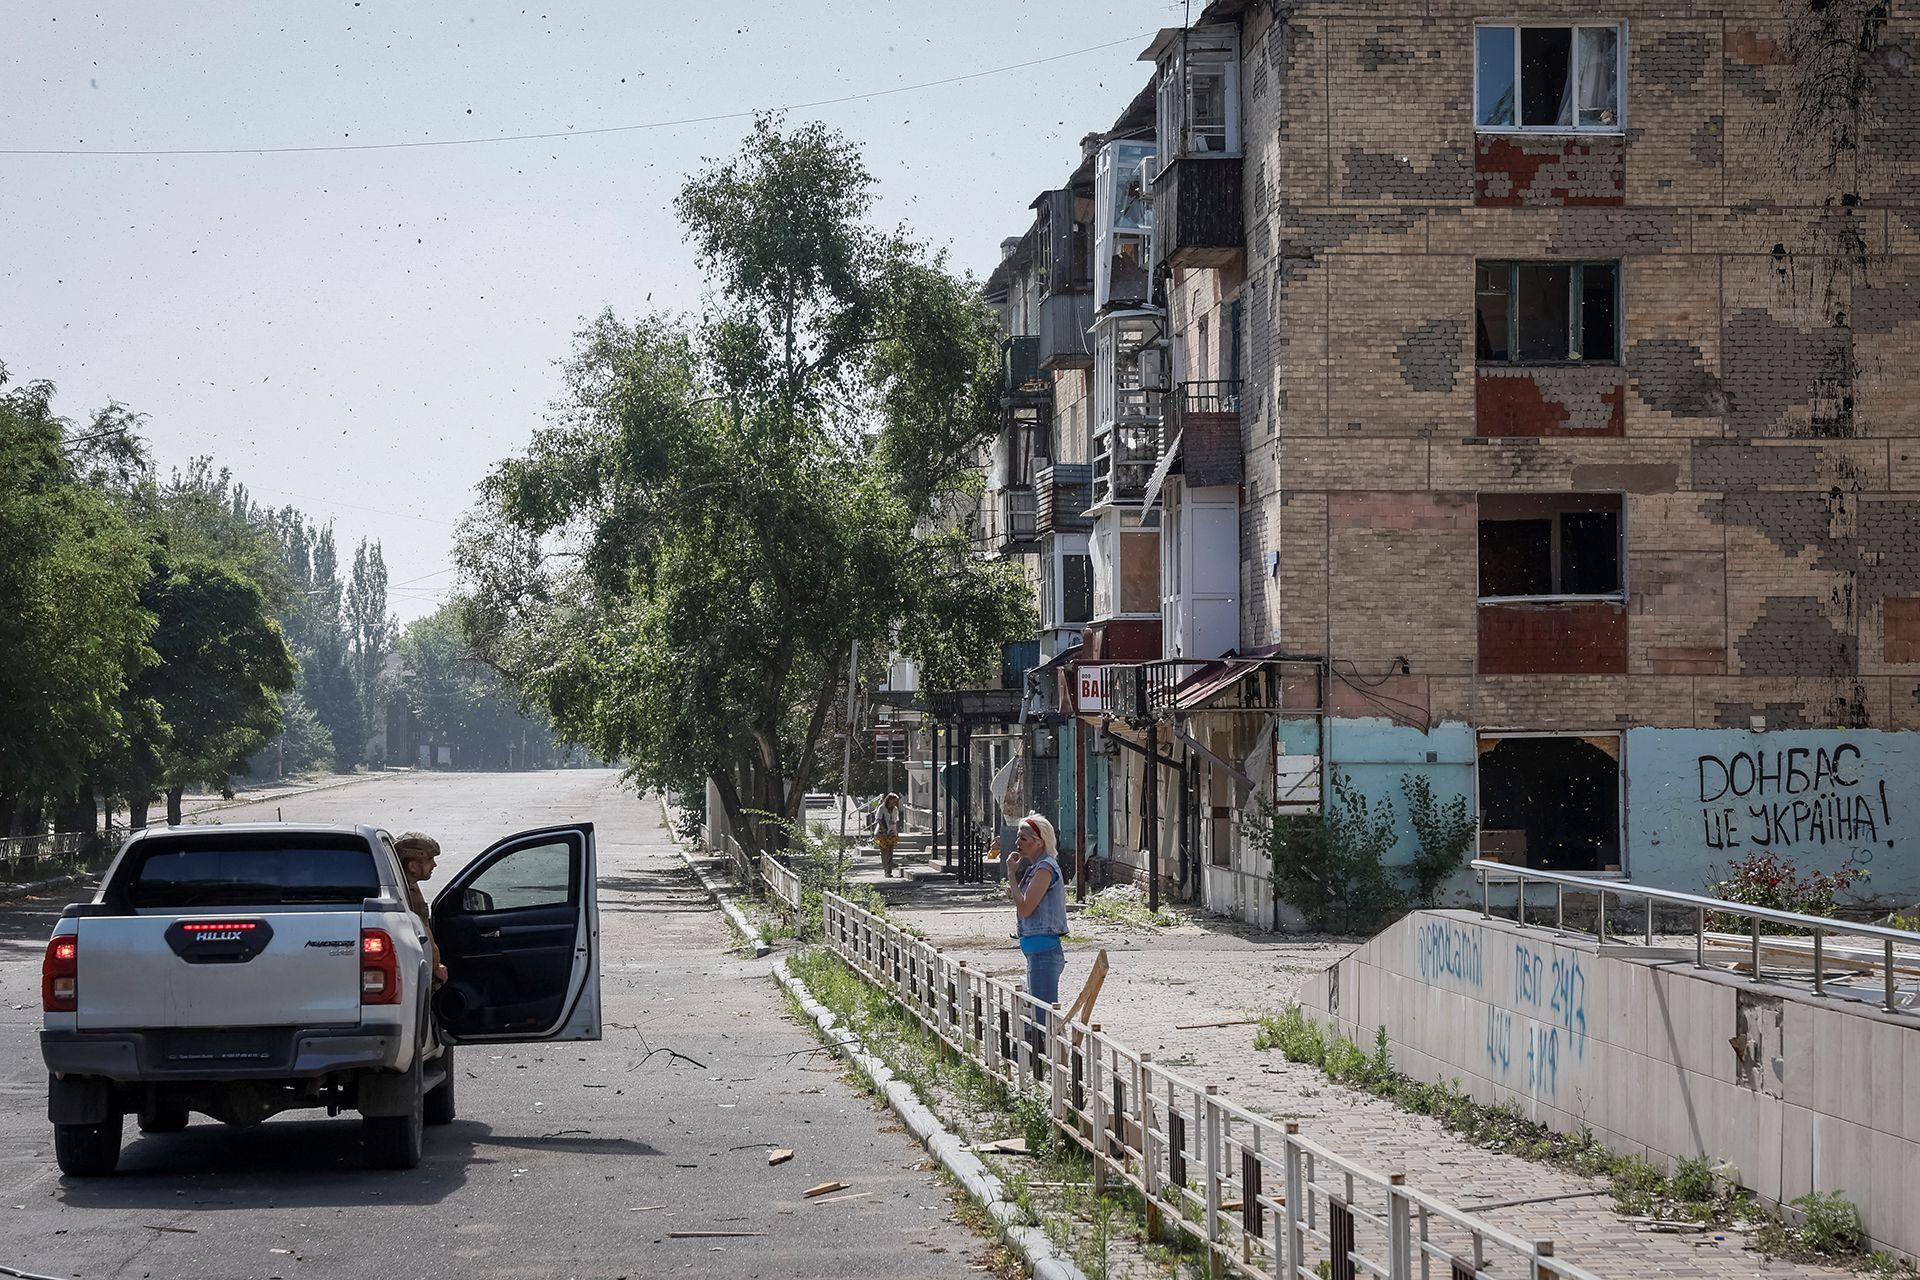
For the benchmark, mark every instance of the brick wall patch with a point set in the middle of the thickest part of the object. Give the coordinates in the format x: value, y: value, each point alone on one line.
x: 1552, y: 171
x: 1569, y: 400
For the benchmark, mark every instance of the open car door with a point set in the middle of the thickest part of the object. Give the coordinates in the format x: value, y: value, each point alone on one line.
x: 519, y: 933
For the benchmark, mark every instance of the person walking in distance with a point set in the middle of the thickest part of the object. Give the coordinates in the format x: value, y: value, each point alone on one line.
x: 1038, y: 890
x: 887, y: 822
x: 418, y: 853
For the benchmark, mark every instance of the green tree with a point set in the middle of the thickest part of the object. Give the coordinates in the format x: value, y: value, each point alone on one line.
x: 678, y: 567
x: 369, y: 631
x: 223, y: 665
x: 72, y: 629
x: 455, y: 699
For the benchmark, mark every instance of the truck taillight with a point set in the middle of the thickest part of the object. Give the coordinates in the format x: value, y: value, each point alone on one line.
x: 60, y: 976
x: 379, y: 968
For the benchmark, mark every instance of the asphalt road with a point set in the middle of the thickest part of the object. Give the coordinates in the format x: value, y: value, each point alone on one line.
x: 566, y: 1160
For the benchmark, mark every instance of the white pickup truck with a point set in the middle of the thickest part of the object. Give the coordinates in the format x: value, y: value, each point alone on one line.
x: 240, y: 971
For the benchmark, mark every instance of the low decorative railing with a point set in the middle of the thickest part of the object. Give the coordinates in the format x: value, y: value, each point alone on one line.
x: 782, y: 882
x: 28, y: 858
x: 1265, y: 1199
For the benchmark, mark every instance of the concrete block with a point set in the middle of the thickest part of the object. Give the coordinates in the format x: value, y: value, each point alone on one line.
x: 1888, y: 1086
x: 1367, y: 1002
x: 1828, y: 1047
x: 1896, y: 1209
x: 1762, y: 1118
x: 1910, y: 1086
x: 1843, y: 1160
x: 1796, y: 1152
x: 1856, y: 1067
x: 1662, y: 1034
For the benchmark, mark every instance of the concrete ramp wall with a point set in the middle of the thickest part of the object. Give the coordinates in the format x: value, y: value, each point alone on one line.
x: 1657, y: 1058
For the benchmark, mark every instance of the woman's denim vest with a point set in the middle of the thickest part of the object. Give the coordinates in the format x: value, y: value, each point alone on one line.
x: 1049, y: 919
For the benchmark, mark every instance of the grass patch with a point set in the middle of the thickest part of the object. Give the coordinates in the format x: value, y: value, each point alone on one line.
x: 1122, y: 904
x: 1105, y: 1234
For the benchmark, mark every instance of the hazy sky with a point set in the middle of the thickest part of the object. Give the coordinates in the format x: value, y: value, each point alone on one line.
x: 362, y: 333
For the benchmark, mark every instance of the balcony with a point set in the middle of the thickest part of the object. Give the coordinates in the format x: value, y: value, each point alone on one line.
x: 1020, y: 373
x: 1124, y: 457
x: 1197, y: 217
x: 1064, y: 321
x: 1064, y: 493
x: 1015, y: 523
x: 1206, y: 417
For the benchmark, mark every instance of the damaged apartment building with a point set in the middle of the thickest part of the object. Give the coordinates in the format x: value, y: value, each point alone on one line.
x: 1522, y: 402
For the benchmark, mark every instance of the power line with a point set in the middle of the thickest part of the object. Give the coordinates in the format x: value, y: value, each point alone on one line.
x: 564, y: 133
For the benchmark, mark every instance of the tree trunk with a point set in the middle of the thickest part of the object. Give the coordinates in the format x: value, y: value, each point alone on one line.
x: 137, y: 811
x: 822, y: 703
x: 173, y: 805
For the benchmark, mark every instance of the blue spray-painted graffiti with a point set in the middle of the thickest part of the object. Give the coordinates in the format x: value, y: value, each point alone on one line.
x: 1543, y: 1061
x: 1447, y: 950
x: 1552, y: 993
x: 1499, y: 1038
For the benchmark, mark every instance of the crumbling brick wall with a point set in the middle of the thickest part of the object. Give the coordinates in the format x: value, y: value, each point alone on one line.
x: 1762, y: 423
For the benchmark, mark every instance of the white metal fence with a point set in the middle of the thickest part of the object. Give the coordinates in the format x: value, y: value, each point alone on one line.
x: 24, y: 858
x: 783, y: 883
x: 1267, y: 1200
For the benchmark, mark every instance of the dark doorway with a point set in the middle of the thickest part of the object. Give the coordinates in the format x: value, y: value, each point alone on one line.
x: 1551, y: 802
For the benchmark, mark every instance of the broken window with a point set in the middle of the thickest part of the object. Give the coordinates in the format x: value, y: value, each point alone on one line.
x: 1546, y: 312
x: 1197, y: 95
x: 1551, y: 78
x: 1076, y: 591
x: 1547, y: 545
x: 1551, y: 801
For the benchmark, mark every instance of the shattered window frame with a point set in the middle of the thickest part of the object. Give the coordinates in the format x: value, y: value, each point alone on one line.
x: 1612, y: 841
x: 1561, y: 550
x: 1581, y: 101
x: 1485, y: 275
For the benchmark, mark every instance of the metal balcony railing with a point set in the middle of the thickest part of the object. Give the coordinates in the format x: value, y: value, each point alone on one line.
x: 1700, y: 907
x: 1220, y: 396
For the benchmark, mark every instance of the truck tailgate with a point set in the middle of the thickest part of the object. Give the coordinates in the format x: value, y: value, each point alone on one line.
x: 291, y: 968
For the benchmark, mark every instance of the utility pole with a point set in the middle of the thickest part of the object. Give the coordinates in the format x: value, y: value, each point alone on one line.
x: 846, y: 754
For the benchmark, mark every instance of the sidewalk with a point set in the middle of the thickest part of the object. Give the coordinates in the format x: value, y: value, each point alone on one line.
x: 1205, y: 970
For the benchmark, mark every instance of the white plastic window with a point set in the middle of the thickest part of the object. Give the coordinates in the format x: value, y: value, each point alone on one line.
x: 1550, y: 79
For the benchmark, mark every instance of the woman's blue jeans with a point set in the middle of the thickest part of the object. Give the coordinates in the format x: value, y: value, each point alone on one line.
x: 1043, y: 974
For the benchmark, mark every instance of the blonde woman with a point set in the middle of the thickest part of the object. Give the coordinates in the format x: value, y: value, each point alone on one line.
x: 1039, y: 894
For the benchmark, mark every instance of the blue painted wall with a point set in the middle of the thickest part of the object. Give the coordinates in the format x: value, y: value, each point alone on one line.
x: 1698, y: 798
x: 1375, y: 754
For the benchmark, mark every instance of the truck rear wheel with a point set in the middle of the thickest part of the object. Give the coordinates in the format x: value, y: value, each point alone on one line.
x: 88, y: 1150
x: 396, y: 1142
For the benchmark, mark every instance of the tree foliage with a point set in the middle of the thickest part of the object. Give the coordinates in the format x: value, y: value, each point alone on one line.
x: 460, y: 702
x: 72, y: 629
x: 678, y: 566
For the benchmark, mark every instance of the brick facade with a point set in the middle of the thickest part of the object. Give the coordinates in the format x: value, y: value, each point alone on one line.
x: 1760, y: 422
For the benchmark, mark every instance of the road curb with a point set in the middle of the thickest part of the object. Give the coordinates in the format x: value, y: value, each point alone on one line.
x: 722, y: 900
x: 240, y: 801
x: 945, y: 1145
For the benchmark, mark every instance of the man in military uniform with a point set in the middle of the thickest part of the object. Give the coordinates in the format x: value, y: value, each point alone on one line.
x: 418, y: 852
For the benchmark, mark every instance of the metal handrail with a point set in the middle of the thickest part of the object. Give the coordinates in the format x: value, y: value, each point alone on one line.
x: 1819, y: 926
